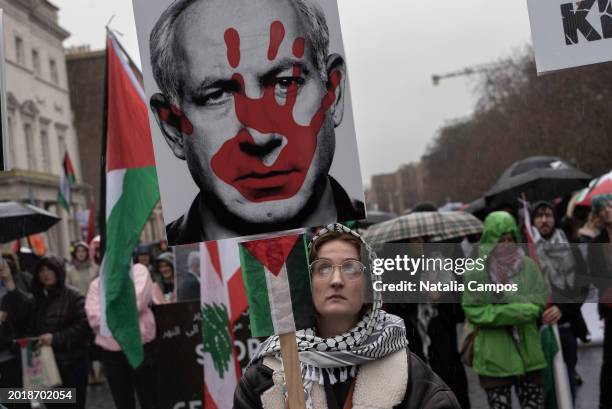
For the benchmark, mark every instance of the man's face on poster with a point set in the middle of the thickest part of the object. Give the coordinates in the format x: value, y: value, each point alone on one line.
x: 257, y: 116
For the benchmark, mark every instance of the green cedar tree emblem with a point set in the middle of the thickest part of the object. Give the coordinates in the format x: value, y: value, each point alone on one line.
x: 216, y: 338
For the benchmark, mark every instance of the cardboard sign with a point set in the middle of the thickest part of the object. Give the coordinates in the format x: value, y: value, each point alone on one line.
x: 179, y: 367
x: 570, y: 33
x: 250, y: 116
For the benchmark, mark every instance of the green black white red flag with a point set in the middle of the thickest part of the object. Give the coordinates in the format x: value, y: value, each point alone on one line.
x: 131, y: 194
x: 67, y: 179
x: 277, y: 281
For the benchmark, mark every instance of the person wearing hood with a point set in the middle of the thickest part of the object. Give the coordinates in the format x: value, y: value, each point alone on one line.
x: 189, y: 282
x: 506, y: 349
x: 142, y: 255
x: 13, y: 325
x: 356, y: 356
x: 94, y: 251
x: 164, y: 291
x: 81, y: 270
x: 56, y: 315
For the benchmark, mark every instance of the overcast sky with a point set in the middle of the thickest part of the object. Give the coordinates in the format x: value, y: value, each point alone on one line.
x: 393, y: 47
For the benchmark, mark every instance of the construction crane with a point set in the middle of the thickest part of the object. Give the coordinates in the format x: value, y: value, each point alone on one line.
x: 475, y: 69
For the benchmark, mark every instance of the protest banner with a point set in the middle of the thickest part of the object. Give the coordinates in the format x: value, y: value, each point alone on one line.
x: 570, y: 34
x: 180, y: 376
x: 277, y: 281
x: 251, y: 120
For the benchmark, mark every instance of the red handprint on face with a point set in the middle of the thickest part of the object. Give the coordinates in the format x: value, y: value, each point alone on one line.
x: 241, y: 166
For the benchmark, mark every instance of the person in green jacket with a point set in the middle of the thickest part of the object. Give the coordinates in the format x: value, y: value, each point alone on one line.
x: 507, y: 349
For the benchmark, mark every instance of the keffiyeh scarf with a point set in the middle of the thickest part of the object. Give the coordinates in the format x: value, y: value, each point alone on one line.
x: 556, y: 259
x: 375, y: 336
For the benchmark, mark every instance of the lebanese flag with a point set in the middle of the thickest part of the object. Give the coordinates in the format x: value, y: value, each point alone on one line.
x: 277, y: 281
x: 223, y: 302
x: 67, y: 179
x: 131, y: 194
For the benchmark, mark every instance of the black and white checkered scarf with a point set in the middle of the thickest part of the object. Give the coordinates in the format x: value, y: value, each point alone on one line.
x: 375, y: 336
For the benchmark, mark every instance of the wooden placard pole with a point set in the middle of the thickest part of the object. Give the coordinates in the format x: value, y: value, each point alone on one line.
x: 293, y: 374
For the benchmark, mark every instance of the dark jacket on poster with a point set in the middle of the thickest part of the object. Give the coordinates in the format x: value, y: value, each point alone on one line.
x: 187, y: 229
x: 424, y: 390
x: 601, y: 271
x: 59, y: 311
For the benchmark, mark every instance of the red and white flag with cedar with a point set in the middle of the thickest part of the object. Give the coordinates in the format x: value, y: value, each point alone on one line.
x: 223, y: 303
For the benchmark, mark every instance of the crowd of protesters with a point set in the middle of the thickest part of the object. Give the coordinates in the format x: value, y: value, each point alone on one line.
x: 58, y: 304
x: 503, y: 341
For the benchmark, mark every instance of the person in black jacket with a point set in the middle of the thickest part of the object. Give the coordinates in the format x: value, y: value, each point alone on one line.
x: 12, y: 325
x: 600, y: 265
x: 356, y: 355
x: 56, y: 315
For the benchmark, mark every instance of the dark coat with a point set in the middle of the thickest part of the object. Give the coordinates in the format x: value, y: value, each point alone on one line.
x: 187, y: 229
x: 59, y: 311
x: 601, y: 272
x: 425, y: 389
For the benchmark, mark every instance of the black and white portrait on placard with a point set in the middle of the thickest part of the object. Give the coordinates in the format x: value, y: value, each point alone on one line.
x: 250, y: 115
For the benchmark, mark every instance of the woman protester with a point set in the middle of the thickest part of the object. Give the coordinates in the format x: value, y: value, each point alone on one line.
x: 81, y: 270
x: 12, y: 326
x: 122, y: 379
x: 357, y: 355
x: 56, y: 315
x: 164, y: 290
x: 506, y: 346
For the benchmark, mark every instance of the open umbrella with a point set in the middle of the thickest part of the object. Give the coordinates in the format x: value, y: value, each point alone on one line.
x: 599, y: 186
x: 435, y: 226
x: 19, y: 220
x: 375, y: 217
x: 539, y: 178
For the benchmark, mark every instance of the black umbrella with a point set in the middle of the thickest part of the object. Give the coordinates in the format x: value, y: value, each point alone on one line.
x: 539, y: 178
x: 375, y: 217
x: 19, y: 220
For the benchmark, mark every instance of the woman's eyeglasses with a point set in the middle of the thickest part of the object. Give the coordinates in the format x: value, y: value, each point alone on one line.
x: 350, y: 269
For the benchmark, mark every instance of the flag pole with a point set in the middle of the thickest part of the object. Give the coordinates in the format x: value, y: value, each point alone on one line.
x: 102, y: 214
x: 293, y: 374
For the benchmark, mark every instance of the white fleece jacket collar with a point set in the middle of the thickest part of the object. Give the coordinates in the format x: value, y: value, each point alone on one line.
x: 380, y: 384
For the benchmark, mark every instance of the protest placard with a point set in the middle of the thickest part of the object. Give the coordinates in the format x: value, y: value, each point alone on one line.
x: 251, y: 117
x: 570, y: 34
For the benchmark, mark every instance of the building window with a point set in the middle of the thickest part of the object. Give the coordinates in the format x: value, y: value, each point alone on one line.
x: 53, y: 69
x: 61, y: 143
x: 19, y: 50
x: 29, y: 134
x: 44, y: 140
x: 36, y: 62
x: 13, y: 158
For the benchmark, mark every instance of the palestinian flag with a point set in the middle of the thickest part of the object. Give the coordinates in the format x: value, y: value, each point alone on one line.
x: 131, y: 194
x: 277, y: 281
x: 223, y: 305
x: 531, y: 246
x: 67, y: 179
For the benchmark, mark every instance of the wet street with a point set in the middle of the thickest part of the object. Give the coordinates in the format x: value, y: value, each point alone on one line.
x: 587, y: 395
